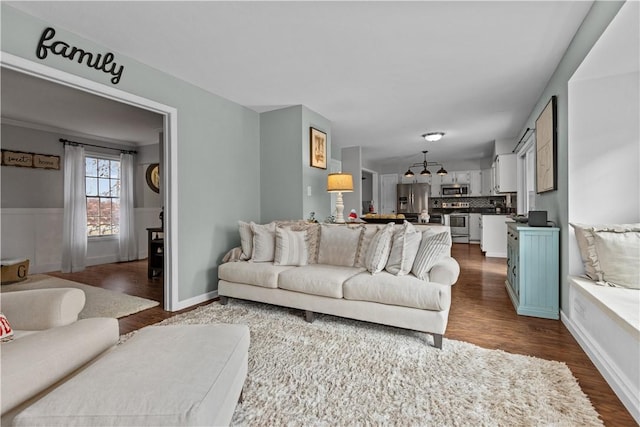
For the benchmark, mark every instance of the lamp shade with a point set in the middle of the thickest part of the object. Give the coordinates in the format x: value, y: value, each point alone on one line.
x: 339, y: 182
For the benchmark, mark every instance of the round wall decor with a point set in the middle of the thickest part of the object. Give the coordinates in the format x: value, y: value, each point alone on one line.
x: 153, y: 177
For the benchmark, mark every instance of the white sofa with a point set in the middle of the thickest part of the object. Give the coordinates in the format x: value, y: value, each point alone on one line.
x: 50, y: 344
x: 335, y: 278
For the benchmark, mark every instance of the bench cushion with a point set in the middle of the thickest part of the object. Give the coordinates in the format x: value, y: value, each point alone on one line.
x: 406, y: 291
x: 317, y: 279
x: 163, y: 375
x: 263, y: 274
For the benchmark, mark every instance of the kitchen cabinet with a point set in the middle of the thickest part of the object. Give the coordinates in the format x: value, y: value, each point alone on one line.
x: 436, y: 181
x: 433, y: 180
x: 533, y: 266
x: 494, y: 236
x: 504, y: 172
x: 487, y: 181
x: 475, y: 220
x: 456, y: 177
x: 475, y: 183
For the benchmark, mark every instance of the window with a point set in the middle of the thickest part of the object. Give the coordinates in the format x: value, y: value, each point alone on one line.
x: 527, y: 176
x: 102, y: 181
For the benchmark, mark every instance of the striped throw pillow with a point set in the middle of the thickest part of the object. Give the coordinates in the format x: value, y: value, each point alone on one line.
x: 432, y: 249
x: 379, y: 248
x: 291, y: 247
x: 404, y: 248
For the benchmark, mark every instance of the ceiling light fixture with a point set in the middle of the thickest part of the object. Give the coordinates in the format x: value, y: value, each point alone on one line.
x: 433, y: 136
x: 425, y: 164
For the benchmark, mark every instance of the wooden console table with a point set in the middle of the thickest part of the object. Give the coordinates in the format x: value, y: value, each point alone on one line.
x: 155, y: 237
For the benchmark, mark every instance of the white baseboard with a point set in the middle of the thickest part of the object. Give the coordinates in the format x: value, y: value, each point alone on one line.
x: 607, y: 369
x: 181, y: 305
x: 496, y: 254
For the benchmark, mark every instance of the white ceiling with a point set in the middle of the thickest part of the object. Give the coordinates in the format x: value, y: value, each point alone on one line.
x: 382, y: 72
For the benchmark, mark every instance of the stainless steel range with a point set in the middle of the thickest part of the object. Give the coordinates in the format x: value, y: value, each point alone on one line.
x: 457, y: 221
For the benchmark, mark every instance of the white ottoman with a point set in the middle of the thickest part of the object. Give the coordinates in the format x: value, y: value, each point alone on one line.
x: 164, y: 375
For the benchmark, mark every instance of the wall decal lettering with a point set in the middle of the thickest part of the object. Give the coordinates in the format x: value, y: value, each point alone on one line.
x: 98, y: 61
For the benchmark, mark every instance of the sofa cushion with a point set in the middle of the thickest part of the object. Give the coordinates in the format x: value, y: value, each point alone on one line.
x: 432, y: 248
x: 405, y: 291
x: 338, y: 245
x: 317, y: 279
x: 378, y: 251
x: 291, y: 247
x: 263, y: 274
x: 34, y: 362
x: 404, y: 247
x: 264, y: 242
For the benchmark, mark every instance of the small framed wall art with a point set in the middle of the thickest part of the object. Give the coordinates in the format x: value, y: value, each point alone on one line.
x: 318, y: 148
x: 546, y: 148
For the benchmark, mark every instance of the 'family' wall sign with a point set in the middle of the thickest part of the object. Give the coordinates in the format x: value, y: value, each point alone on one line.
x: 98, y: 61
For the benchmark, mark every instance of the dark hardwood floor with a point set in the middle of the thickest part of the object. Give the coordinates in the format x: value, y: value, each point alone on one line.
x: 481, y: 313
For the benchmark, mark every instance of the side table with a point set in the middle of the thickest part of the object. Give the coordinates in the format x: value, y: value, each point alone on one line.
x: 155, y: 237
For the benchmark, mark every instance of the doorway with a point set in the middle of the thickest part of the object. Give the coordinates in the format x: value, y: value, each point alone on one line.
x: 169, y: 132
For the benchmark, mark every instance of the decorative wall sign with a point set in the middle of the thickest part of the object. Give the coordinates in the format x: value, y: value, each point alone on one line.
x: 92, y: 60
x: 318, y: 148
x: 30, y: 160
x: 546, y: 148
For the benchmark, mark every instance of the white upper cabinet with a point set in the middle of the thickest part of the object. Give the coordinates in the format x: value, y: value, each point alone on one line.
x: 475, y: 183
x: 456, y: 177
x: 505, y: 174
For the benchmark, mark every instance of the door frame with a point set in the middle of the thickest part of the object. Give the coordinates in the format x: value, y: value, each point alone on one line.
x: 170, y: 153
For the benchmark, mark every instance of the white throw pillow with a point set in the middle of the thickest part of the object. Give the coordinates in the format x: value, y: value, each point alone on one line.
x: 291, y: 247
x: 404, y: 247
x: 432, y: 248
x: 246, y: 239
x: 264, y: 242
x: 618, y: 257
x: 586, y: 244
x: 365, y: 240
x: 378, y: 251
x: 338, y: 245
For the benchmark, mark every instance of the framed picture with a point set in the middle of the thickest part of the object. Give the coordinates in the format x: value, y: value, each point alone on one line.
x: 546, y: 148
x: 153, y: 177
x: 318, y: 148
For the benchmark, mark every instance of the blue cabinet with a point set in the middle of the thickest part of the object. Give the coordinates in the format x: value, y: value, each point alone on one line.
x: 533, y: 270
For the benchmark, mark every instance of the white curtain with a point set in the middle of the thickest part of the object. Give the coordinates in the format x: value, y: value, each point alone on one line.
x: 127, y: 235
x: 74, y: 228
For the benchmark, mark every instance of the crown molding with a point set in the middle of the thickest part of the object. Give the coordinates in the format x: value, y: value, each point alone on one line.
x: 68, y: 132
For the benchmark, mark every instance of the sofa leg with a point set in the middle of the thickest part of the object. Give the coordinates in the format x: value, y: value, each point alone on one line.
x: 224, y: 300
x: 437, y: 340
x: 309, y: 316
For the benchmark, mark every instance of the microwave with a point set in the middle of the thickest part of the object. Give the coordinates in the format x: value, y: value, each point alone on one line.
x: 455, y: 190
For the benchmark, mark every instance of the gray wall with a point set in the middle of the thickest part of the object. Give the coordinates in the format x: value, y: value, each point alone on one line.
x: 218, y: 149
x: 285, y: 172
x: 556, y: 202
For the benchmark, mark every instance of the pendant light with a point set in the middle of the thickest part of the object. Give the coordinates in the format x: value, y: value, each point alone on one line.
x: 425, y: 170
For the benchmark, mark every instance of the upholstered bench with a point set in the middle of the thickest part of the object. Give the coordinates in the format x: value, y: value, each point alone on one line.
x: 163, y: 375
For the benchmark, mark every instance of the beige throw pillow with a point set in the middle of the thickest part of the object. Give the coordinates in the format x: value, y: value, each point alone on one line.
x: 338, y: 245
x: 366, y: 238
x: 246, y: 239
x: 378, y: 251
x: 264, y: 242
x: 404, y: 247
x: 618, y: 257
x: 432, y: 248
x: 291, y: 247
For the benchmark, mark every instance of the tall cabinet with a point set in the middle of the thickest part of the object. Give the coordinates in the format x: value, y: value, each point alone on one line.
x: 533, y: 270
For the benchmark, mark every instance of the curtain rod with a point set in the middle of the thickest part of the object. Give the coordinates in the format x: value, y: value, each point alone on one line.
x: 66, y: 141
x: 522, y: 139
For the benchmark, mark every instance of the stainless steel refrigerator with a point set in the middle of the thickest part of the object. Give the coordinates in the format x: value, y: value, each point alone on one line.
x: 413, y: 198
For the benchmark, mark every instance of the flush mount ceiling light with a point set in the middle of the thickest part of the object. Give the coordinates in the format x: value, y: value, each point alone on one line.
x: 425, y: 171
x: 433, y: 136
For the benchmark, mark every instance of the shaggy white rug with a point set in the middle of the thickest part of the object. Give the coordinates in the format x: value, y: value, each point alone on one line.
x: 98, y: 302
x: 341, y: 372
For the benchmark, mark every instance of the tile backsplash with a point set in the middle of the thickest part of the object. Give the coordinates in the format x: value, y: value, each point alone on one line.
x: 474, y: 202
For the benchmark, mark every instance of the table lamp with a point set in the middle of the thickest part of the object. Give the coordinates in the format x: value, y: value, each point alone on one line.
x: 339, y: 183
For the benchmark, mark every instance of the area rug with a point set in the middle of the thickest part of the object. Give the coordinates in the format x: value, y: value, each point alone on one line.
x: 99, y: 302
x: 341, y: 372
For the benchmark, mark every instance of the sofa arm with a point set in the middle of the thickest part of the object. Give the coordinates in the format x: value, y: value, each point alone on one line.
x: 445, y: 271
x: 39, y: 309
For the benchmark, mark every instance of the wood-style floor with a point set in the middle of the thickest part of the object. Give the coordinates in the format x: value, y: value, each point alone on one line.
x: 481, y: 313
